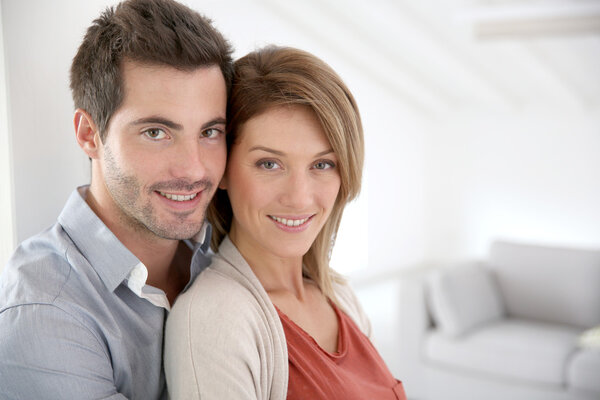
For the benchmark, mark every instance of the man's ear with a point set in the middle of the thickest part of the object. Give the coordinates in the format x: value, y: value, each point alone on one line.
x: 86, y: 133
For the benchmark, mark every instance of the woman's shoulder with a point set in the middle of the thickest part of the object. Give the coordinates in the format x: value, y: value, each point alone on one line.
x: 227, y: 287
x: 350, y: 305
x: 218, y: 288
x: 214, y: 328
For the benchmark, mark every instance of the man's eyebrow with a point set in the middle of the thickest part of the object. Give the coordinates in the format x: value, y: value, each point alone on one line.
x: 216, y: 121
x: 174, y: 125
x: 158, y: 120
x: 280, y: 153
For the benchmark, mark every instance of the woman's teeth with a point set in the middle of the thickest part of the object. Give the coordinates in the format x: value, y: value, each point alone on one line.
x: 289, y: 222
x: 178, y: 197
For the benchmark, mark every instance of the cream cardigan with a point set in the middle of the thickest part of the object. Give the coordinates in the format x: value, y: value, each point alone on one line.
x: 224, y: 339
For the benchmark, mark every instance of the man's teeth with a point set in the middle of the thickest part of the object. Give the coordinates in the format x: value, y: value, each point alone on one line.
x: 289, y: 222
x: 178, y: 197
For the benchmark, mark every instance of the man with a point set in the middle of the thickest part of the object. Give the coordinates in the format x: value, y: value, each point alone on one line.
x: 83, y: 304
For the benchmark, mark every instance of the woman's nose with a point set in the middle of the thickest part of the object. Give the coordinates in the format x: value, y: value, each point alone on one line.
x: 298, y: 191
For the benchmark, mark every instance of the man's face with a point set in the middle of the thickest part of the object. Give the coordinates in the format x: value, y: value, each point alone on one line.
x: 165, y: 150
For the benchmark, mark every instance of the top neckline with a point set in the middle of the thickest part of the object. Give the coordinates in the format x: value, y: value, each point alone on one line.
x: 342, y: 347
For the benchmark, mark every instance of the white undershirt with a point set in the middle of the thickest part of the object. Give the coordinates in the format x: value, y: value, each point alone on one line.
x: 136, y: 280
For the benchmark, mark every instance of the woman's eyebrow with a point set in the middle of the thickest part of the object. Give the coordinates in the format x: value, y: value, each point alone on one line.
x: 324, y: 153
x: 267, y: 149
x: 281, y: 153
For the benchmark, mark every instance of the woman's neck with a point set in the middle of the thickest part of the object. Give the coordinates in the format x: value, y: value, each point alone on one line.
x: 277, y: 275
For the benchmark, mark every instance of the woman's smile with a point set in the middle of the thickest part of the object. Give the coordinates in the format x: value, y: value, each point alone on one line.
x: 292, y: 224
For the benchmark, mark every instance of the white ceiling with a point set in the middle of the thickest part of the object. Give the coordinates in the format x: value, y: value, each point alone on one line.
x: 440, y: 55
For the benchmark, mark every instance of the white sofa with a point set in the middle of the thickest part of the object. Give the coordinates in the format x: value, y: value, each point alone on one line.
x: 505, y: 328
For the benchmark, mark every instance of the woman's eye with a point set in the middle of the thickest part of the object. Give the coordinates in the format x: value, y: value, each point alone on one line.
x: 268, y: 164
x: 210, y: 133
x: 324, y: 165
x: 155, y: 133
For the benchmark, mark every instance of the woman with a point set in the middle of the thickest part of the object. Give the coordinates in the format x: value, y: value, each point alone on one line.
x: 269, y: 318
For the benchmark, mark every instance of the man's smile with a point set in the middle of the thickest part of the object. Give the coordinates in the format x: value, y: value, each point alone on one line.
x: 178, y: 197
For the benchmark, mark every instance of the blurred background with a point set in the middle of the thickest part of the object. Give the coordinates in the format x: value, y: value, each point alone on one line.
x: 481, y: 118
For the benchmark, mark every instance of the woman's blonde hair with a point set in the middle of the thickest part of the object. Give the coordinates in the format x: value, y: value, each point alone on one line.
x: 278, y: 76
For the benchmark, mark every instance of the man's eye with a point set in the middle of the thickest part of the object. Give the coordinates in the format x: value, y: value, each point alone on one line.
x: 210, y: 133
x: 155, y: 133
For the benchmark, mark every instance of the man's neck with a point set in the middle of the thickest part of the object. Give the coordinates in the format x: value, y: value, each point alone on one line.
x: 166, y: 260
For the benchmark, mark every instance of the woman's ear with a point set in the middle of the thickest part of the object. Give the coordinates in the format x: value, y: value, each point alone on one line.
x: 86, y: 133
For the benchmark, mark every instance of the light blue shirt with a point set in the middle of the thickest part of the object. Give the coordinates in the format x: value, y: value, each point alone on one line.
x: 77, y: 320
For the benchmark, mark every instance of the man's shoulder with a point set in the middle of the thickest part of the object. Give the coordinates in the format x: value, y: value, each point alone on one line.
x: 46, y: 269
x: 37, y: 270
x: 36, y: 287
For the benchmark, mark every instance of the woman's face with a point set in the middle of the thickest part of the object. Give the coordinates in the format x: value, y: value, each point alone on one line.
x: 282, y: 180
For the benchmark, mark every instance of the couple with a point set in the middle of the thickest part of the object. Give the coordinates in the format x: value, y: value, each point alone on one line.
x: 83, y: 305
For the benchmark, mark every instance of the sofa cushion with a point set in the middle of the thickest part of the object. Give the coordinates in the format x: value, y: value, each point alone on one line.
x: 462, y: 298
x: 549, y: 284
x: 534, y: 352
x: 583, y: 372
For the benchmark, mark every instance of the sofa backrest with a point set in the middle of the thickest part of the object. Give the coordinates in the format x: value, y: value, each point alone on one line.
x: 551, y: 284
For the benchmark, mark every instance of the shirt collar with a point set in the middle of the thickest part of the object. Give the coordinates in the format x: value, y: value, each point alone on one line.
x: 111, y: 260
x: 201, y: 237
x: 136, y: 280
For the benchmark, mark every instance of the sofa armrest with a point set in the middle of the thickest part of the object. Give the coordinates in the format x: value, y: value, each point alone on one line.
x: 414, y: 323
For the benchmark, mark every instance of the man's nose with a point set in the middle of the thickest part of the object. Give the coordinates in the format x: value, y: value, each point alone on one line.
x: 187, y: 160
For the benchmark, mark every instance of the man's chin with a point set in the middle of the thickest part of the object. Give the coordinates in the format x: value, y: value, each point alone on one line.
x: 178, y: 232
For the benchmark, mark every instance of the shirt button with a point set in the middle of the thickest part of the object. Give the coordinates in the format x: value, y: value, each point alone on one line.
x: 138, y: 273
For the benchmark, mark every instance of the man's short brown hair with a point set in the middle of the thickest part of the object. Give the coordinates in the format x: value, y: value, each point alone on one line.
x: 155, y: 32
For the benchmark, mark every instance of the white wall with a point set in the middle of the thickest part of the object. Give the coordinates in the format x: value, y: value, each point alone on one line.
x: 40, y: 40
x: 529, y: 175
x: 7, y: 236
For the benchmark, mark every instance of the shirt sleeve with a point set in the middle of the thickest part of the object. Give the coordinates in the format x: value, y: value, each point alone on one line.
x: 45, y: 353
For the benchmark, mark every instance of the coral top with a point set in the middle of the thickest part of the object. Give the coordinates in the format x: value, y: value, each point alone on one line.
x: 355, y: 372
